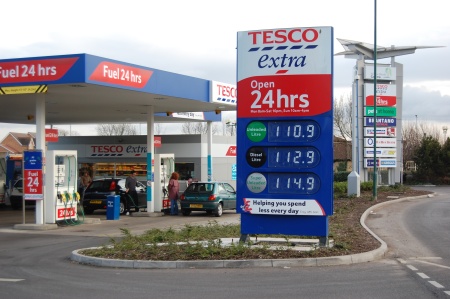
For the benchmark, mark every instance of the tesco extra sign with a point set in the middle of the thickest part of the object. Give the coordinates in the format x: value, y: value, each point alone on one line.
x: 116, y: 150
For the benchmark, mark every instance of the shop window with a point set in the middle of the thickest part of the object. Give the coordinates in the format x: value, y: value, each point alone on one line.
x: 185, y: 170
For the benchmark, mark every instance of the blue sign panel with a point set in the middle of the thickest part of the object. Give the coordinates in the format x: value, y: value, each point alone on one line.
x: 381, y: 121
x: 32, y: 160
x: 285, y: 131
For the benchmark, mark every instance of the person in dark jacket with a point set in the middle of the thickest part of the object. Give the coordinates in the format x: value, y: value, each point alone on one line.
x: 130, y: 185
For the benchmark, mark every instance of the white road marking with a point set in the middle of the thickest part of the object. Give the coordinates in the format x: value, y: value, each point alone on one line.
x: 426, y: 258
x: 423, y: 275
x: 10, y: 279
x: 447, y: 292
x: 433, y: 264
x: 412, y: 267
x: 436, y: 284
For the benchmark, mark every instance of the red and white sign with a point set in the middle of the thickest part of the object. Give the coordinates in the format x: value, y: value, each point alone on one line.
x: 121, y: 74
x: 51, y: 135
x: 157, y: 141
x: 231, y: 151
x: 35, y: 70
x: 65, y: 213
x: 381, y: 142
x: 32, y: 185
x: 382, y: 132
x: 386, y: 95
x: 281, y: 77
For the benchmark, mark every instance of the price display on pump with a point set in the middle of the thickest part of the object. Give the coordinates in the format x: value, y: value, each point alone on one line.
x: 285, y: 130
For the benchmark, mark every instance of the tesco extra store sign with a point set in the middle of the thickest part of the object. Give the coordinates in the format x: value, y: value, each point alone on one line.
x: 118, y: 150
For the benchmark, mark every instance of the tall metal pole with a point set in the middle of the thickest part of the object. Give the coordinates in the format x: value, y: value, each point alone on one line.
x: 375, y: 170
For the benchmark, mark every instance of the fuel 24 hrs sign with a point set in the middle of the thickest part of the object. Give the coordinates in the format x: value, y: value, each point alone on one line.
x: 285, y: 130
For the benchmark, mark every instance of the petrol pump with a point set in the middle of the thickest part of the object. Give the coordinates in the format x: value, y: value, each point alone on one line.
x: 61, y: 187
x: 166, y: 164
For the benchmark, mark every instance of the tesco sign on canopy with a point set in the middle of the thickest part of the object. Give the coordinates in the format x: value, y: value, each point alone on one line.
x: 223, y: 93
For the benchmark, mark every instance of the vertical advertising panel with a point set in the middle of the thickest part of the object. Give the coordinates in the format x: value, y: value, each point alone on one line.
x: 32, y: 175
x: 285, y: 130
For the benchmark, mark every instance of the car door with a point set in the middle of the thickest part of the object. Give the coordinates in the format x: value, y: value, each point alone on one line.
x: 231, y: 196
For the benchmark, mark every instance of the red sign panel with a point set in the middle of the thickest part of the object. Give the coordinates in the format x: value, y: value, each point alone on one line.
x: 64, y: 213
x: 157, y: 141
x: 32, y: 184
x: 283, y: 96
x: 231, y: 151
x: 35, y: 70
x: 51, y: 135
x: 389, y: 101
x: 120, y: 74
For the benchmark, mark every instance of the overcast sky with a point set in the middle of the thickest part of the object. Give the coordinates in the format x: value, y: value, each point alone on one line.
x: 198, y: 38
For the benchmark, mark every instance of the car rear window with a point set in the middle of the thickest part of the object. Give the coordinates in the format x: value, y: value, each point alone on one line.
x: 99, y: 186
x: 200, y: 187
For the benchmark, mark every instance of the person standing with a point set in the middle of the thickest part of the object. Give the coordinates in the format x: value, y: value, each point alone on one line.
x: 84, y: 182
x: 173, y: 187
x: 130, y: 186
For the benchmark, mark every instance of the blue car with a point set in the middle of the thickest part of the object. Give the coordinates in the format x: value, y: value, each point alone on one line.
x: 211, y: 197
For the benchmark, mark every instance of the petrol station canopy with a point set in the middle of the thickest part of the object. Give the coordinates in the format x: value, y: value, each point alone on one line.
x: 83, y: 89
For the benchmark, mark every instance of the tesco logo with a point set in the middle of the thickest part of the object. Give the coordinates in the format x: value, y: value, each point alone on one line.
x: 227, y: 91
x: 107, y: 149
x: 282, y: 36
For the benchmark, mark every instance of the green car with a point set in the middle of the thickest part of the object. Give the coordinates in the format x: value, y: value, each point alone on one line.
x: 212, y: 197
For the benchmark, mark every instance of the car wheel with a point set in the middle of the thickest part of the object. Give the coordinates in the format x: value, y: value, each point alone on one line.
x: 219, y: 210
x: 122, y: 208
x: 186, y: 212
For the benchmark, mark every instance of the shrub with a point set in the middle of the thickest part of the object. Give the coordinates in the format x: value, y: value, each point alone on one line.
x: 341, y: 176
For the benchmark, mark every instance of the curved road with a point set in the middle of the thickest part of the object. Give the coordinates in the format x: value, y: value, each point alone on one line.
x: 37, y: 265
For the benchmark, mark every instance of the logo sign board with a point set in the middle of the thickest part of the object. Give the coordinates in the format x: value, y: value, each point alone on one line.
x: 223, y: 93
x: 381, y: 111
x: 119, y: 150
x: 381, y: 121
x: 32, y: 175
x: 191, y: 115
x: 381, y: 132
x: 284, y: 125
x: 51, y: 135
x: 387, y: 163
x: 384, y: 72
x: 381, y: 142
x: 386, y: 95
x: 381, y: 152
